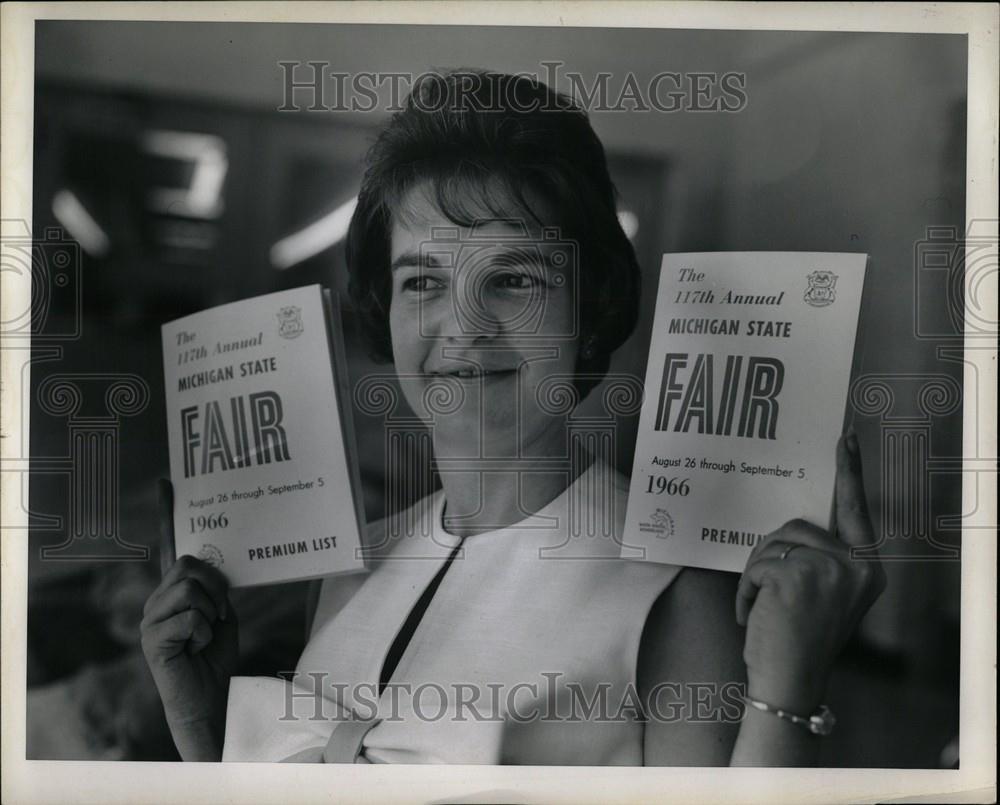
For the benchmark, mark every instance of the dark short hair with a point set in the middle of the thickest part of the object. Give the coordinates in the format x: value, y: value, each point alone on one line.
x: 464, y: 132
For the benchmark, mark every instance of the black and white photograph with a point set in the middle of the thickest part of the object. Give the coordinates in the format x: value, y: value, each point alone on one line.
x: 503, y: 393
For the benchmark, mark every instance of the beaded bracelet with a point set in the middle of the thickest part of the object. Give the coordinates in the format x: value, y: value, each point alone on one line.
x: 821, y: 722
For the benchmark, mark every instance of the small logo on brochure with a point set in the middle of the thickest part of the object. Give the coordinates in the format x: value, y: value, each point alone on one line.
x: 659, y: 523
x: 822, y: 288
x: 290, y: 322
x: 211, y: 555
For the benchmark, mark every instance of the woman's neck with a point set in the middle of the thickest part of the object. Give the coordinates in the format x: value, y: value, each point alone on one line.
x: 510, y: 490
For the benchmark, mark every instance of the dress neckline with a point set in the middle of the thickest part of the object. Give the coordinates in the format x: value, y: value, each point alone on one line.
x: 532, y: 522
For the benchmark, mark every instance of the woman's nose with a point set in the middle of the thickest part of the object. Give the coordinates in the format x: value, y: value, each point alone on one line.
x: 468, y: 313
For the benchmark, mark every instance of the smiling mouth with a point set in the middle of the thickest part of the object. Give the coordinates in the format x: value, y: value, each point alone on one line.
x: 473, y: 374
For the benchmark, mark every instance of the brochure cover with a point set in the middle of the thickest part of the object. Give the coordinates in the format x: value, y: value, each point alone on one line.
x: 263, y: 486
x: 745, y: 394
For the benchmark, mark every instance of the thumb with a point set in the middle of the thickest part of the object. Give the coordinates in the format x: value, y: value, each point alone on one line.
x: 854, y: 525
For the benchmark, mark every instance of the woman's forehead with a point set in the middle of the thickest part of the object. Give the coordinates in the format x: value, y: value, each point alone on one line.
x: 487, y: 211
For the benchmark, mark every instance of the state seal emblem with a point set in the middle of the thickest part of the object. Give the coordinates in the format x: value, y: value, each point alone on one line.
x: 822, y: 288
x: 290, y: 322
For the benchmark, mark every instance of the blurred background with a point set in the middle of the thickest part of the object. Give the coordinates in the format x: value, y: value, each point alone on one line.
x: 165, y: 170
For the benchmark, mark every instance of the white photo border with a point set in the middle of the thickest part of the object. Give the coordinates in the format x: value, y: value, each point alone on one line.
x: 117, y: 782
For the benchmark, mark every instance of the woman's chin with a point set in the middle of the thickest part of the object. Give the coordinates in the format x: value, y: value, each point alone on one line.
x: 475, y: 436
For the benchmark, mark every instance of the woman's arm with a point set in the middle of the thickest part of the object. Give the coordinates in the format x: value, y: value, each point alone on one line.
x: 699, y: 650
x: 800, y: 597
x: 692, y: 649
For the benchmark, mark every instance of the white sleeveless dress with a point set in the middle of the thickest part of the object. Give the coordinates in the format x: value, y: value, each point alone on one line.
x: 526, y: 654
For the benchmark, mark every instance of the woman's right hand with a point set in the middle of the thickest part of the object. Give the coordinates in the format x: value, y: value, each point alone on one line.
x: 189, y: 638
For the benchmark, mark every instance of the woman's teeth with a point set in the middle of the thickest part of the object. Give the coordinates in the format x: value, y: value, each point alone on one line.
x: 468, y: 373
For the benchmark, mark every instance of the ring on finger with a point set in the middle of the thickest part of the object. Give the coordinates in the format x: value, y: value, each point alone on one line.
x: 788, y: 550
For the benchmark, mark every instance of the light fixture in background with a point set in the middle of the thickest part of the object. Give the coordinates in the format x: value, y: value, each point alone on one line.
x: 313, y: 239
x: 629, y: 222
x: 202, y: 198
x: 79, y: 223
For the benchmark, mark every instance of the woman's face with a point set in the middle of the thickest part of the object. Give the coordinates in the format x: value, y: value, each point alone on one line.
x: 483, y: 324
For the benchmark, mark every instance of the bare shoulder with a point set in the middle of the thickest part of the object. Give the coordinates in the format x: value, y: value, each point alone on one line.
x: 690, y: 665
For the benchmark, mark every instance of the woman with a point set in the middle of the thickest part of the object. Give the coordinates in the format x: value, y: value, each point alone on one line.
x: 486, y: 262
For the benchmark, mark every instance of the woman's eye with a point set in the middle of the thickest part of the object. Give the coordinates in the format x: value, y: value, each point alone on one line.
x: 518, y: 281
x: 421, y: 283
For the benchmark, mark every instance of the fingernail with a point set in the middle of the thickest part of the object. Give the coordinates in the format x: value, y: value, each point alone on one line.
x: 852, y: 442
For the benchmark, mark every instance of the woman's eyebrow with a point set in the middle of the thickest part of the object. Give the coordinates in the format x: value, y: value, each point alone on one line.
x: 513, y: 253
x: 415, y: 260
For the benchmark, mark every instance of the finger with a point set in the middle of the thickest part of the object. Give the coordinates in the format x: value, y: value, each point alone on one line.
x: 756, y: 574
x: 744, y: 601
x: 854, y: 526
x: 186, y: 630
x: 185, y: 594
x: 828, y: 549
x: 201, y: 636
x: 209, y: 577
x: 797, y: 532
x: 168, y: 551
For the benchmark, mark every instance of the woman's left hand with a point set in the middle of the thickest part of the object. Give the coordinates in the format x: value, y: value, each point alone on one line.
x: 800, y: 610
